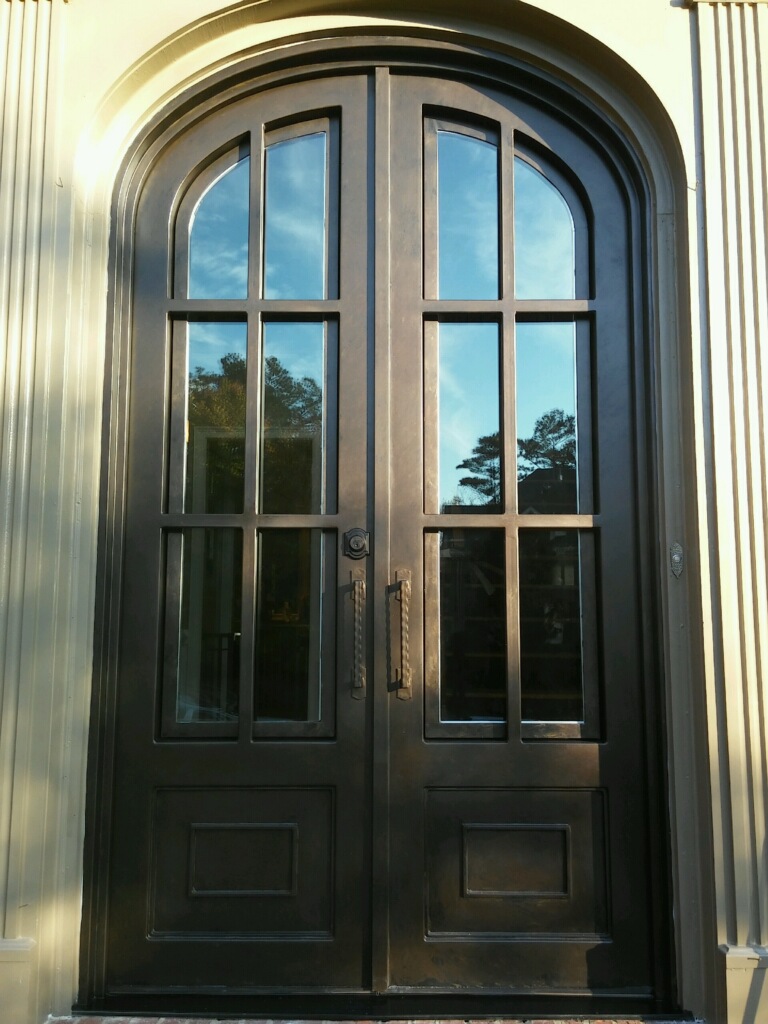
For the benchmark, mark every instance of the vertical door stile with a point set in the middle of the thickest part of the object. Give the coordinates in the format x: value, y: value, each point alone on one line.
x: 509, y: 424
x: 252, y: 468
x: 251, y: 484
x: 379, y: 147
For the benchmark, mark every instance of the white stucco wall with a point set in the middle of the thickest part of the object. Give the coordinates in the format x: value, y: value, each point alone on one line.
x: 80, y: 81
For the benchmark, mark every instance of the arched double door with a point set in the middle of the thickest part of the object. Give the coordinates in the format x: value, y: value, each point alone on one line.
x: 380, y: 729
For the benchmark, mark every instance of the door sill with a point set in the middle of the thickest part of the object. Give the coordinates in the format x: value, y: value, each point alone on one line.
x: 87, y: 1017
x: 314, y: 1007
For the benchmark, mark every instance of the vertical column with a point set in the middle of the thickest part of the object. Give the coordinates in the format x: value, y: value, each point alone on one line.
x: 733, y: 76
x: 28, y: 540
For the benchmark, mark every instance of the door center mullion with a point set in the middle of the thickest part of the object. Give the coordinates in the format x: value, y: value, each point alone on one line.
x: 380, y: 513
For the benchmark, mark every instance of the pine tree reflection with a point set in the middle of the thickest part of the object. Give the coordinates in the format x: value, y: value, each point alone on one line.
x: 546, y: 469
x: 291, y: 438
x: 546, y: 465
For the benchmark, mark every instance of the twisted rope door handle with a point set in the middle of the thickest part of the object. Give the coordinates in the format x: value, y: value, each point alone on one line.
x: 358, y: 653
x: 403, y: 579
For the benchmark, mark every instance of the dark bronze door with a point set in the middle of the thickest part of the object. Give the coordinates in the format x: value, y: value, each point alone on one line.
x: 380, y: 719
x: 517, y: 776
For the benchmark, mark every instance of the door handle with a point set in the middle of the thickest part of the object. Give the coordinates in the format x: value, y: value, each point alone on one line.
x: 358, y: 625
x: 403, y: 681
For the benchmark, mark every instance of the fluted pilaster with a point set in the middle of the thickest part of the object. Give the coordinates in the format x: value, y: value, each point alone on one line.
x: 733, y: 75
x: 31, y: 523
x: 24, y: 44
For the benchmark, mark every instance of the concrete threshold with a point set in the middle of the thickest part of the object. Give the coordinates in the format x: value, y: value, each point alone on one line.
x: 249, y: 1020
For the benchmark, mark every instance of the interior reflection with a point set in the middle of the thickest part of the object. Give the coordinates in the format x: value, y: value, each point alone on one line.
x: 208, y: 658
x: 473, y: 626
x: 287, y: 659
x: 550, y: 626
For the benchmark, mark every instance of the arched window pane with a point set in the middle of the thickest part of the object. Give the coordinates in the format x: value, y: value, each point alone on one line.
x: 468, y: 217
x: 544, y: 249
x: 295, y: 217
x: 218, y: 238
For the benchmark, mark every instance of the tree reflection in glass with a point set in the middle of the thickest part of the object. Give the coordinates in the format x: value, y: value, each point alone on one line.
x: 546, y: 460
x: 215, y: 417
x: 292, y: 453
x: 293, y: 413
x: 546, y: 418
x: 468, y: 408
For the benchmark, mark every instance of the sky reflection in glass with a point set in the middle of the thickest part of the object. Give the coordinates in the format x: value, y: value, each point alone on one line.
x: 210, y: 342
x: 468, y: 404
x: 218, y: 238
x: 544, y: 238
x: 468, y: 217
x: 295, y: 219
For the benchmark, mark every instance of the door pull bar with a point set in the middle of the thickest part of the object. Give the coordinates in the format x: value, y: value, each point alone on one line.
x: 358, y: 626
x: 403, y: 583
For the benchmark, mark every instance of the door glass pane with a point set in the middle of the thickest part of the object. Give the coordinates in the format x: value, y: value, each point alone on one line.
x: 295, y: 218
x: 216, y: 394
x: 551, y: 626
x: 546, y: 418
x: 218, y: 238
x: 468, y: 217
x: 288, y: 628
x: 294, y: 405
x: 469, y: 452
x: 473, y: 626
x: 544, y: 238
x: 209, y: 627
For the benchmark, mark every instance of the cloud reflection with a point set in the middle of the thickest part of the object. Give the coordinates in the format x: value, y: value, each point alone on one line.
x: 468, y: 217
x: 544, y: 238
x: 218, y: 238
x: 295, y: 217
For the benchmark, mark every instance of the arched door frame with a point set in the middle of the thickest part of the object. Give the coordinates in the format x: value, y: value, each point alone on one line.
x: 652, y: 173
